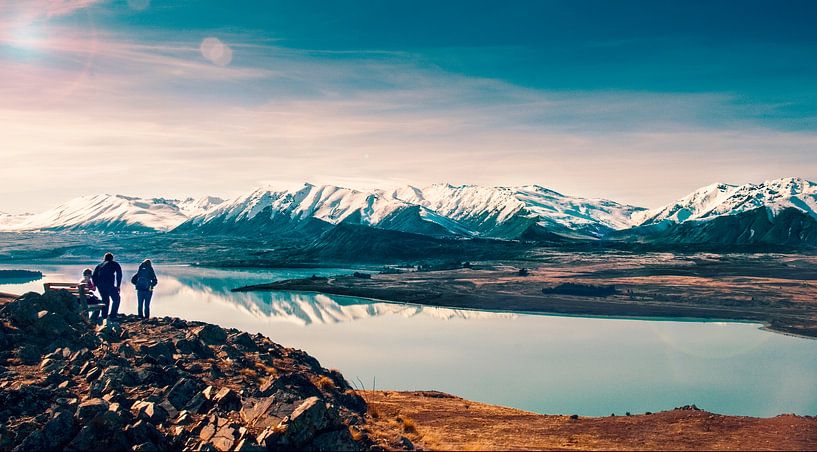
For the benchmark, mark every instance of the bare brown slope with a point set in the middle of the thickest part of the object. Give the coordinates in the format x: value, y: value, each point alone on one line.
x: 438, y: 421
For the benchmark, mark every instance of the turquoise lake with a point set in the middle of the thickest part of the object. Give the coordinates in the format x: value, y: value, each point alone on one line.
x: 546, y: 364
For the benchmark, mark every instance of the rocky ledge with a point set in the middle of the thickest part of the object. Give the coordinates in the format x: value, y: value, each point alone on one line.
x: 162, y: 384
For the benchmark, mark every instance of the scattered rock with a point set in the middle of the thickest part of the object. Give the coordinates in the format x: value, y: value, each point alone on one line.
x: 211, y: 334
x: 90, y: 409
x: 159, y: 384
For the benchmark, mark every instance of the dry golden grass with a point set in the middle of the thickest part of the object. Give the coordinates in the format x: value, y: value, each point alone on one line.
x: 324, y: 382
x: 357, y: 435
x: 408, y: 424
x: 439, y: 422
x: 247, y: 372
x: 268, y: 370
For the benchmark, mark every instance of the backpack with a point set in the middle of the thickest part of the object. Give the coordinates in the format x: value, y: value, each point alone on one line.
x: 143, y: 279
x: 134, y: 278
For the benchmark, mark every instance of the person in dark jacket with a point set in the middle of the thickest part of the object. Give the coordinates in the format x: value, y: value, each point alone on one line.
x: 107, y: 277
x: 144, y: 280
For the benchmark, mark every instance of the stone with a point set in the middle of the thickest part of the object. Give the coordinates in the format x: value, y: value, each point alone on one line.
x: 161, y: 351
x: 168, y: 407
x: 269, y: 411
x: 54, y: 435
x: 310, y: 417
x: 28, y: 354
x: 198, y: 404
x: 248, y: 445
x: 51, y: 324
x: 105, y: 433
x: 22, y: 312
x: 149, y: 411
x: 183, y: 418
x: 142, y: 432
x: 245, y: 341
x: 209, y: 392
x: 227, y: 399
x: 50, y: 365
x: 145, y: 447
x: 288, y: 381
x: 301, y: 426
x: 209, y: 430
x: 224, y: 438
x: 90, y: 409
x: 182, y: 392
x: 211, y: 334
x: 341, y: 439
x: 93, y: 374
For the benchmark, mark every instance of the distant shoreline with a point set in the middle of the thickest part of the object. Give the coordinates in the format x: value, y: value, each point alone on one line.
x: 502, y: 291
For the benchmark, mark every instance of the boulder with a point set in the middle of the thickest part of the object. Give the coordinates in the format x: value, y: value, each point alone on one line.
x: 341, y: 439
x: 29, y: 354
x: 93, y: 374
x: 149, y: 411
x: 227, y: 399
x: 142, y: 432
x: 161, y: 352
x: 245, y: 341
x: 224, y: 438
x: 301, y: 427
x: 90, y: 409
x: 182, y: 392
x: 211, y: 334
x: 51, y: 324
x: 105, y: 432
x: 267, y: 412
x: 198, y: 404
x: 54, y: 435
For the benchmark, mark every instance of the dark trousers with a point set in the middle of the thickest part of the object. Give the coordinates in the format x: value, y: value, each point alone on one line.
x: 108, y: 295
x: 143, y: 298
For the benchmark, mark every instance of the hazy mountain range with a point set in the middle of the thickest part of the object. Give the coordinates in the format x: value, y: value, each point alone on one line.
x: 781, y: 211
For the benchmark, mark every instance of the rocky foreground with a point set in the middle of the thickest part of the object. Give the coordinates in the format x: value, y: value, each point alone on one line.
x: 170, y: 384
x: 162, y: 384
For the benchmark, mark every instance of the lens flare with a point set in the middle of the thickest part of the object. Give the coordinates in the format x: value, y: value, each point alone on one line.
x: 216, y: 51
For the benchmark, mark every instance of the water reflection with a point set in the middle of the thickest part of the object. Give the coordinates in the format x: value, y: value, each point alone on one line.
x: 185, y: 291
x: 546, y: 364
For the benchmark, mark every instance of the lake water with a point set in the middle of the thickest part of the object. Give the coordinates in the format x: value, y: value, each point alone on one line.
x: 547, y: 364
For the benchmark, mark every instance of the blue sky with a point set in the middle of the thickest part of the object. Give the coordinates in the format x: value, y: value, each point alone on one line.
x: 640, y: 102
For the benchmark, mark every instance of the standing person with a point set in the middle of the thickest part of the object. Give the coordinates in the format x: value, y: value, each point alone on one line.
x: 107, y: 277
x: 144, y: 280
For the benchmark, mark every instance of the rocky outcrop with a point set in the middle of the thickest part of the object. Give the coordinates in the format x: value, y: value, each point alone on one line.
x: 161, y: 384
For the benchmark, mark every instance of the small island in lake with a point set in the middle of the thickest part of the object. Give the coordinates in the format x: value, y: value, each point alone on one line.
x: 19, y: 276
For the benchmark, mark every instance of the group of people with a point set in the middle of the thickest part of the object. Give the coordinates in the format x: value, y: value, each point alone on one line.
x: 106, y: 278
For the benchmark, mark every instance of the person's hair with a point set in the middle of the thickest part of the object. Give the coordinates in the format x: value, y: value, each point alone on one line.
x: 108, y: 256
x: 87, y: 271
x: 147, y: 262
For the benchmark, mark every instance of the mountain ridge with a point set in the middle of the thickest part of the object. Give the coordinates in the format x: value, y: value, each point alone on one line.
x: 445, y: 211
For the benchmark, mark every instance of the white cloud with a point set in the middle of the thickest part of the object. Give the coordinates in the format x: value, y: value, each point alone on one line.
x: 98, y: 113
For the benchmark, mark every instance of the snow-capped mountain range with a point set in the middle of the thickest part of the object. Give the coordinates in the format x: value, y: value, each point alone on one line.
x: 439, y: 210
x: 112, y: 213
